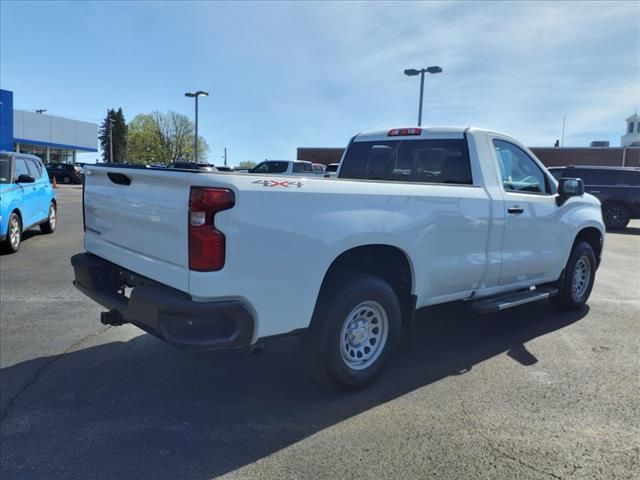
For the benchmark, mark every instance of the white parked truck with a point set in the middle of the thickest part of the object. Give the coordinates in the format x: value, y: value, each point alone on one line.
x: 296, y: 168
x: 416, y: 217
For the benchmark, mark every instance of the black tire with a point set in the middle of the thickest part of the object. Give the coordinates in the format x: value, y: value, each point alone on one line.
x: 348, y: 311
x: 574, y: 286
x: 66, y: 180
x: 616, y: 216
x: 14, y: 234
x: 52, y: 220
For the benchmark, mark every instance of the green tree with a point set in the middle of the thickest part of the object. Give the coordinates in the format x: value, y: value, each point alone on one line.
x: 144, y: 141
x: 164, y: 138
x: 113, y: 130
x: 247, y: 164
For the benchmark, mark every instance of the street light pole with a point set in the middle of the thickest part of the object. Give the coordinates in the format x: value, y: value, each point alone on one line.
x: 411, y: 72
x: 195, y: 95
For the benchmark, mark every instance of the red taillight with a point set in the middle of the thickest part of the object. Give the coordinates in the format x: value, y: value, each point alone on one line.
x: 401, y: 132
x: 206, y: 244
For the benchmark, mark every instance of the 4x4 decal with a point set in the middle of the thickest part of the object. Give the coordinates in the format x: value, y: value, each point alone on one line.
x: 279, y: 183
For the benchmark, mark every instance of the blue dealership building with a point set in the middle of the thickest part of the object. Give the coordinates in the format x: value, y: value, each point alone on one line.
x: 54, y: 139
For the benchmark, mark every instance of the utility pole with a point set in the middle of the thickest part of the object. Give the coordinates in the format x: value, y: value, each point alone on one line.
x: 564, y: 119
x: 225, y: 156
x: 110, y: 136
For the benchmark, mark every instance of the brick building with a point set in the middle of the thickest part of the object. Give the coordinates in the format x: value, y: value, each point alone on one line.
x: 627, y: 155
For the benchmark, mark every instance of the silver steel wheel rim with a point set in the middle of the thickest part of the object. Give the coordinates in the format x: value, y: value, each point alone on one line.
x: 364, y: 335
x: 52, y: 216
x: 14, y: 232
x: 581, y: 277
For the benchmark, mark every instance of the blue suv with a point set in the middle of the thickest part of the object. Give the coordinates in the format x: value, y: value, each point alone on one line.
x: 26, y: 198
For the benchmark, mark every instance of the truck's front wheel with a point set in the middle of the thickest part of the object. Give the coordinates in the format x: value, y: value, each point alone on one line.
x: 577, y: 282
x: 355, y: 329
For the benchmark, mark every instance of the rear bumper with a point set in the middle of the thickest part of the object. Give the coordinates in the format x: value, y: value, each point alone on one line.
x: 162, y: 311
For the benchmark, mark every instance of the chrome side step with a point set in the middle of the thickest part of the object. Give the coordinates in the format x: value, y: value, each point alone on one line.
x: 504, y: 301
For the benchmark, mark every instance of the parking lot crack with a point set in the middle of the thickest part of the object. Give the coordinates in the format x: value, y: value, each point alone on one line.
x: 53, y: 359
x: 499, y: 451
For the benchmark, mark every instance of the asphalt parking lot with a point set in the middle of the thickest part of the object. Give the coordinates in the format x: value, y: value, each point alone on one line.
x: 528, y: 393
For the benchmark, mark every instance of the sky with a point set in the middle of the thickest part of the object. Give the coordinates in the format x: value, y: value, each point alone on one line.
x: 283, y: 75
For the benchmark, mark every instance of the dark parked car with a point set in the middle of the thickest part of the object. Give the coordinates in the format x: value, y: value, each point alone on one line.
x: 65, y: 172
x: 617, y: 188
x: 202, y: 167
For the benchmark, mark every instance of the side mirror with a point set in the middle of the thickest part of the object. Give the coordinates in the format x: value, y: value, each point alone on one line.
x: 25, y: 179
x: 569, y: 187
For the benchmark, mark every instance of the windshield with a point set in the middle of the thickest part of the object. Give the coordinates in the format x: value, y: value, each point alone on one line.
x: 5, y: 169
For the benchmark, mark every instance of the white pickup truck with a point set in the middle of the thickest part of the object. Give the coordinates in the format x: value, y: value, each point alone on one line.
x: 416, y: 217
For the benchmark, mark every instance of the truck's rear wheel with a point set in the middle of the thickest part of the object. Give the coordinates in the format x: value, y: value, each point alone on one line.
x: 577, y: 282
x: 354, y: 331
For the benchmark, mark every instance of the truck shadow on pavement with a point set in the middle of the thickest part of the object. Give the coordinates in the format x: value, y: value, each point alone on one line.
x: 141, y: 409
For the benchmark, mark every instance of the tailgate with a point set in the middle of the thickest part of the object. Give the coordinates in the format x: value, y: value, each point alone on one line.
x: 137, y: 218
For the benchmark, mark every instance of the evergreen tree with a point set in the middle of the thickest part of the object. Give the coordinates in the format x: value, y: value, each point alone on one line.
x: 113, y: 126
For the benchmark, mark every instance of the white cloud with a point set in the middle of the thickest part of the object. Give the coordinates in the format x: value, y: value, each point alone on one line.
x: 513, y: 66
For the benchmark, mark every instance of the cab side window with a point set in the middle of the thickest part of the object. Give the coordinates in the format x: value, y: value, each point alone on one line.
x: 520, y: 173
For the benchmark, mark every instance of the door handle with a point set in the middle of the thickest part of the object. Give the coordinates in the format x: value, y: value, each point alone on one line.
x: 515, y: 210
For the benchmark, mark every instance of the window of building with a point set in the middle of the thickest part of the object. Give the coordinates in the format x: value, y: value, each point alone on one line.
x: 61, y: 156
x: 38, y: 151
x: 520, y: 173
x: 631, y: 127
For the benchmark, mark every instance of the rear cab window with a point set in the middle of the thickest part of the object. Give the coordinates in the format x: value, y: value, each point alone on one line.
x: 423, y: 161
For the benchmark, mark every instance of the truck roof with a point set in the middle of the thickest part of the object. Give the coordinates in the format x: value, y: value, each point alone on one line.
x: 294, y: 161
x: 425, y: 132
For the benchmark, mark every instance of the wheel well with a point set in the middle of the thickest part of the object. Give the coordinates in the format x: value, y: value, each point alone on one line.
x: 384, y: 261
x: 593, y: 237
x: 17, y: 212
